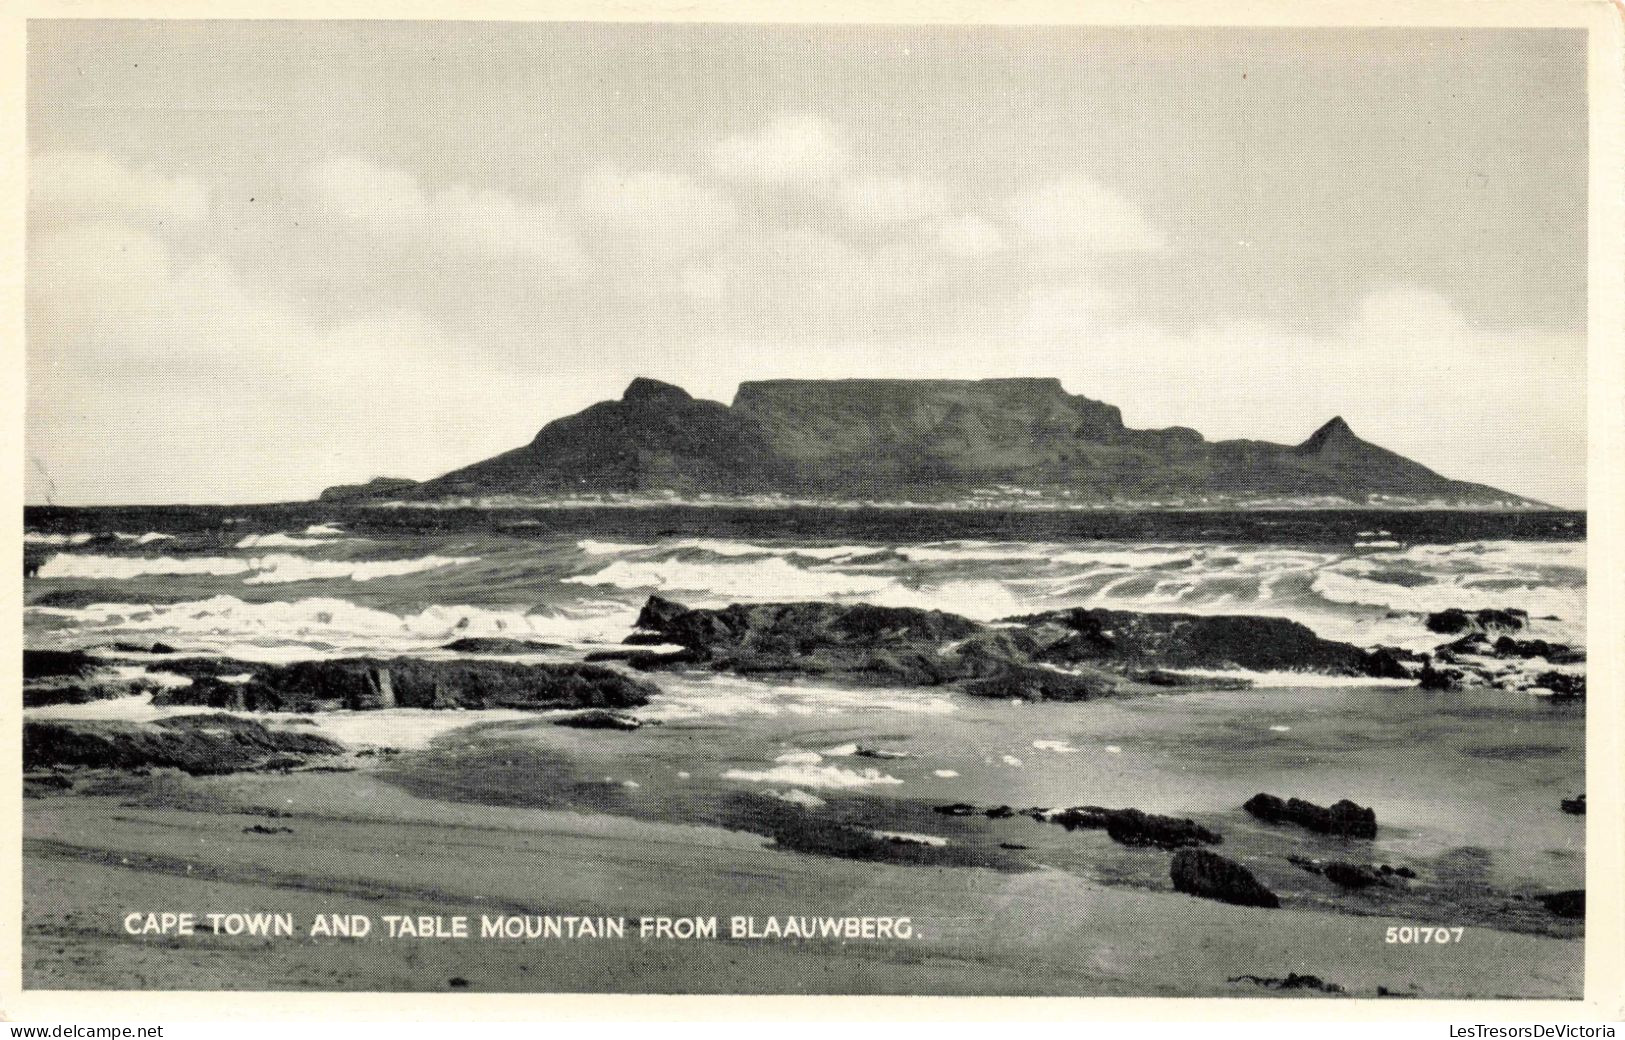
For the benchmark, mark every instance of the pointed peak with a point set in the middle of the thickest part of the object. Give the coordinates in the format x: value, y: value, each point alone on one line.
x: 1335, y: 433
x: 645, y: 389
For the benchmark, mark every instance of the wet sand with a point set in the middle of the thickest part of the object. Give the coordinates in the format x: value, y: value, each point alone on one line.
x: 528, y: 818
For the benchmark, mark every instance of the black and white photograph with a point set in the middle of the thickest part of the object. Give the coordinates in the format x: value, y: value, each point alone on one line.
x: 861, y: 509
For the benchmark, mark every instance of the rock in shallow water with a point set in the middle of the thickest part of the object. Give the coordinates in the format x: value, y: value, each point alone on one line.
x: 1065, y: 655
x: 1199, y: 872
x: 362, y: 683
x: 1344, y: 818
x: 199, y: 744
x: 1133, y: 827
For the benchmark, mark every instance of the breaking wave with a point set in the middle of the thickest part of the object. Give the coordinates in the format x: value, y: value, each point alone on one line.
x: 233, y: 625
x: 273, y: 569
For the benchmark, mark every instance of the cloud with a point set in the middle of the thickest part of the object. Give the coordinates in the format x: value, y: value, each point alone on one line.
x: 970, y: 236
x: 671, y: 215
x: 791, y: 148
x: 883, y: 200
x: 1078, y: 213
x: 391, y: 204
x: 73, y: 186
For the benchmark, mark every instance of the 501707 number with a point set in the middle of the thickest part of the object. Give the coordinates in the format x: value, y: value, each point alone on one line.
x: 1411, y: 935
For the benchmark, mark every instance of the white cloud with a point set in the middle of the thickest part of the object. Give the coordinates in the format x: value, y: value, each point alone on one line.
x: 791, y: 148
x: 392, y: 204
x: 892, y: 199
x: 970, y: 236
x: 66, y: 186
x: 670, y: 215
x: 1080, y: 213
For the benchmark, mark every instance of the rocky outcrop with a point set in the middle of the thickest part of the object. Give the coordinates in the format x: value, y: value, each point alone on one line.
x: 1353, y: 875
x: 1199, y: 872
x: 198, y: 744
x: 1128, y: 639
x: 1065, y: 655
x: 598, y: 718
x: 498, y: 645
x: 74, y: 677
x: 1133, y: 827
x: 1291, y: 981
x: 1344, y: 818
x: 1487, y: 622
x: 376, y: 488
x: 1566, y: 904
x: 1575, y: 806
x: 922, y: 440
x: 362, y: 684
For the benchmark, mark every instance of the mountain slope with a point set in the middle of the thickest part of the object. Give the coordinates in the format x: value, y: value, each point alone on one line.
x: 931, y: 440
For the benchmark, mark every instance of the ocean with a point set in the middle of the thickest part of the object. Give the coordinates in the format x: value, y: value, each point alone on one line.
x: 276, y: 582
x: 1466, y: 783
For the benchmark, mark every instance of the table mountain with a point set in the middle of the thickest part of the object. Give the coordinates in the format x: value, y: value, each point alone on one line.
x: 928, y: 441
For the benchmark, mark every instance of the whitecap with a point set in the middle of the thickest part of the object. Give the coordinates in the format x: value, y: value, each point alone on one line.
x: 278, y: 541
x: 143, y: 539
x: 281, y: 569
x: 38, y: 538
x: 596, y: 548
x: 910, y: 838
x: 814, y: 776
x: 1011, y: 760
x: 805, y: 799
x: 123, y: 568
x: 801, y: 758
x: 1060, y: 747
x: 773, y: 578
x: 1280, y: 729
x: 946, y: 774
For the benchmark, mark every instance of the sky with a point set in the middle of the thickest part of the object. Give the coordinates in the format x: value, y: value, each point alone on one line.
x: 269, y: 257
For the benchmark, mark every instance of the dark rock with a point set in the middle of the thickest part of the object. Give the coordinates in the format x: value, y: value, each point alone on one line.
x: 260, y: 828
x: 1199, y: 872
x: 457, y: 982
x: 1313, y: 866
x: 1178, y: 680
x: 1029, y: 683
x: 882, y: 753
x: 52, y: 664
x: 359, y: 683
x: 1133, y: 827
x: 1292, y: 981
x: 1487, y: 621
x: 1011, y: 845
x: 1556, y: 653
x: 1072, y: 655
x: 644, y: 639
x: 1387, y: 662
x: 598, y: 718
x: 1193, y: 641
x: 956, y: 809
x: 498, y: 645
x: 1440, y: 678
x: 1562, y: 684
x: 1344, y: 818
x: 1566, y: 904
x: 1575, y: 806
x: 1353, y: 875
x: 1000, y: 812
x: 198, y: 744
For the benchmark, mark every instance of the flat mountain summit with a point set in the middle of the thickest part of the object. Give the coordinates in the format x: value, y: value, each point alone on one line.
x: 928, y: 440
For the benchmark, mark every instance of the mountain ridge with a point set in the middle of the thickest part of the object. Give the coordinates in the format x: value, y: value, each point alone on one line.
x: 930, y: 440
